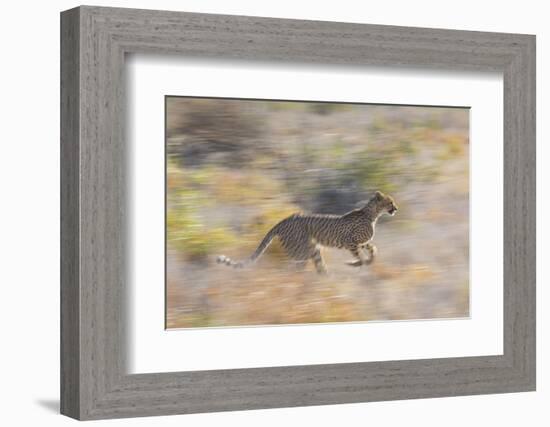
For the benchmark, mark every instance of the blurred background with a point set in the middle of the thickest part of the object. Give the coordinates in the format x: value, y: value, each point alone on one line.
x: 237, y: 167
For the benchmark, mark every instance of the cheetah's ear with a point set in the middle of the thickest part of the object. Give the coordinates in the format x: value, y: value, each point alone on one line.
x: 378, y: 194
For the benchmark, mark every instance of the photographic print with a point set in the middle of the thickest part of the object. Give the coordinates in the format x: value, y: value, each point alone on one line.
x: 300, y: 212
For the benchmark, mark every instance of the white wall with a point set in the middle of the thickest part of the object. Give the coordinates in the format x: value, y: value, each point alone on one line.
x: 29, y: 212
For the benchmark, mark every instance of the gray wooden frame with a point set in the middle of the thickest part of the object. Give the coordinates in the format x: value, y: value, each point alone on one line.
x: 94, y: 41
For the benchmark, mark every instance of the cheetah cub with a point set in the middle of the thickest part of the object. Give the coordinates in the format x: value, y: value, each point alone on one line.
x: 303, y: 235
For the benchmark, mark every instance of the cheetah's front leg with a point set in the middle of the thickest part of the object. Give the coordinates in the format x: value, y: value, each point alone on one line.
x: 358, y: 253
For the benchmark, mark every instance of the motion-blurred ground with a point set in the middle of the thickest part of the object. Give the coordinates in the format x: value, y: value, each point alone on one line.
x: 235, y: 168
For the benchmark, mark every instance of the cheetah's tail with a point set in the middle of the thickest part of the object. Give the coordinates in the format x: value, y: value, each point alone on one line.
x: 266, y: 241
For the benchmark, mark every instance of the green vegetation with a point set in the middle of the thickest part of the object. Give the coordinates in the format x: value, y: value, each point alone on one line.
x: 187, y: 233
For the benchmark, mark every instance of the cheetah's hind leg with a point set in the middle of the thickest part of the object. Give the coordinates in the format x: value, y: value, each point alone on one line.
x: 320, y: 265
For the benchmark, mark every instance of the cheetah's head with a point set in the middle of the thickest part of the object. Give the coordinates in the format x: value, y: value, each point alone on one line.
x: 385, y: 203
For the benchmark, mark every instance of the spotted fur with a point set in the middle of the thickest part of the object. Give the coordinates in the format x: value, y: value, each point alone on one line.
x: 302, y: 236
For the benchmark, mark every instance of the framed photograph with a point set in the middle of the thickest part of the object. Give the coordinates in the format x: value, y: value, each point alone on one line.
x: 261, y: 213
